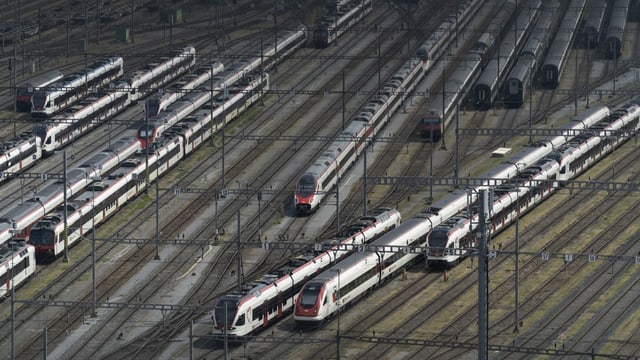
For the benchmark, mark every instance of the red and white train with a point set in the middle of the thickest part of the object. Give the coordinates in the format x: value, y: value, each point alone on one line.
x: 16, y: 221
x: 555, y: 159
x: 17, y: 264
x: 25, y: 90
x: 46, y: 102
x: 271, y: 297
x: 96, y: 202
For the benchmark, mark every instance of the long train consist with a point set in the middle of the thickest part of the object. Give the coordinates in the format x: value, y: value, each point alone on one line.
x: 329, y: 28
x: 285, y: 43
x: 16, y: 221
x: 558, y: 54
x: 95, y: 203
x: 158, y: 103
x: 54, y: 133
x: 456, y: 86
x: 25, y: 90
x: 91, y: 112
x: 520, y: 78
x: 46, y: 102
x: 323, y: 174
x: 487, y: 88
x: 17, y: 264
x: 615, y: 31
x: 18, y: 154
x: 553, y: 161
x: 593, y: 23
x: 271, y: 297
x: 452, y: 240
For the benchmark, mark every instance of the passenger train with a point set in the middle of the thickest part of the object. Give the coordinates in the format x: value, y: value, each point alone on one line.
x: 429, y: 52
x: 46, y: 102
x: 553, y: 161
x: 63, y: 128
x: 98, y: 200
x: 329, y: 28
x: 615, y: 31
x: 25, y: 90
x: 487, y: 88
x: 17, y: 264
x: 450, y: 241
x: 157, y: 103
x: 271, y: 297
x: 18, y: 154
x: 520, y: 78
x: 322, y: 176
x: 457, y: 85
x: 96, y: 109
x: 285, y: 43
x: 558, y: 54
x: 16, y: 221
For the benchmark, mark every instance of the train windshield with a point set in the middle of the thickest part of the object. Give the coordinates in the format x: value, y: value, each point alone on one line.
x: 306, y: 185
x: 225, y: 309
x: 39, y: 98
x: 310, y: 294
x: 438, y: 238
x: 41, y: 237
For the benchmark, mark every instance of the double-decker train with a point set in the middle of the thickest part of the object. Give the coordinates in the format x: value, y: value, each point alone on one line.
x: 285, y: 43
x: 271, y: 297
x: 322, y: 176
x: 98, y: 200
x: 48, y: 101
x: 452, y: 240
x: 25, y: 90
x: 158, y: 103
x: 95, y: 109
x: 525, y: 178
x: 18, y: 154
x: 17, y: 264
x: 16, y: 221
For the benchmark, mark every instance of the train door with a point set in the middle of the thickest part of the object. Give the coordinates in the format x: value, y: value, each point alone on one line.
x: 265, y: 313
x: 280, y: 304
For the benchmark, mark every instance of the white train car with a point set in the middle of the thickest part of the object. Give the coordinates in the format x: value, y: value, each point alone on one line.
x: 323, y: 174
x: 16, y: 221
x: 17, y: 265
x: 19, y: 154
x: 158, y: 103
x: 45, y: 103
x: 453, y: 239
x: 271, y: 297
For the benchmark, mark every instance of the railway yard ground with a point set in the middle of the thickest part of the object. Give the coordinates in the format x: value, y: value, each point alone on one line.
x: 579, y: 254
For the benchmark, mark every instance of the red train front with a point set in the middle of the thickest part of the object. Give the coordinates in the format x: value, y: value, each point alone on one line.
x: 431, y: 125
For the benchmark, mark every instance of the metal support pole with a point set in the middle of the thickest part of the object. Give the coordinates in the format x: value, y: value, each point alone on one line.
x: 239, y: 258
x: 94, y: 312
x: 483, y: 277
x: 517, y: 272
x: 44, y: 345
x: 66, y: 228
x: 575, y: 86
x: 191, y: 340
x: 343, y: 100
x: 339, y: 308
x: 259, y: 220
x: 338, y: 199
x: 157, y: 256
x: 13, y: 314
x: 364, y: 178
